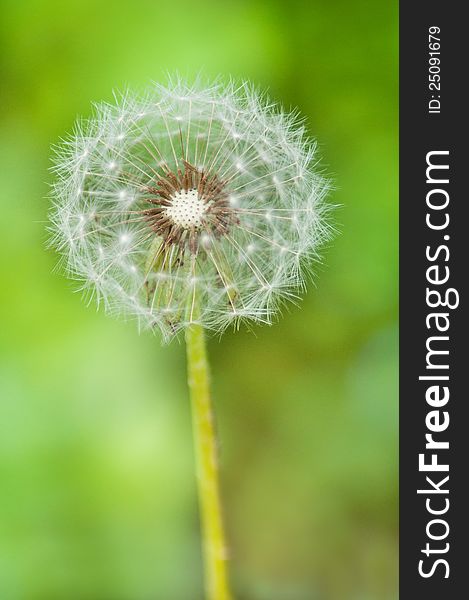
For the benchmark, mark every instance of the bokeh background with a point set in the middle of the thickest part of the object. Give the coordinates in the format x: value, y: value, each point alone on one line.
x: 97, y: 493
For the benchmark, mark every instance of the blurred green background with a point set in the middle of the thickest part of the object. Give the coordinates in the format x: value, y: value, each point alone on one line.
x: 97, y: 494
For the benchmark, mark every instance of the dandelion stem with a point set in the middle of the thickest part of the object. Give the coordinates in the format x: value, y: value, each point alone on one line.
x: 213, y: 537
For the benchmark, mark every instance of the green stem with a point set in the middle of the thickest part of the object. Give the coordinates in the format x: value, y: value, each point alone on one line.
x: 213, y: 537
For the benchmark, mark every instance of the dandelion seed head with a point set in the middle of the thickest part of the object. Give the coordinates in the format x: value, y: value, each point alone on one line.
x: 206, y: 190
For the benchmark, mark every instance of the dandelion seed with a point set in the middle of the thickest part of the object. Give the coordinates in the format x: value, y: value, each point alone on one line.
x: 210, y: 191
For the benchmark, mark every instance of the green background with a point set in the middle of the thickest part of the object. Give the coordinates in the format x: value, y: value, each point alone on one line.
x: 97, y: 494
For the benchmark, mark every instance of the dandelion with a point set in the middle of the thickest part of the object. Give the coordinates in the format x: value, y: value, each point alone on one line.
x: 191, y: 208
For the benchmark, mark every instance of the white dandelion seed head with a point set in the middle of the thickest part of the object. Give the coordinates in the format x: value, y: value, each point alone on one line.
x: 190, y: 191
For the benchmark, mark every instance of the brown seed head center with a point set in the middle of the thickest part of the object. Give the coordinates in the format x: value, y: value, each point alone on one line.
x: 186, y: 205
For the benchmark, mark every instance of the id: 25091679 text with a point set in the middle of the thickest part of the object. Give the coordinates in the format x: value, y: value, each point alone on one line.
x: 434, y: 69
